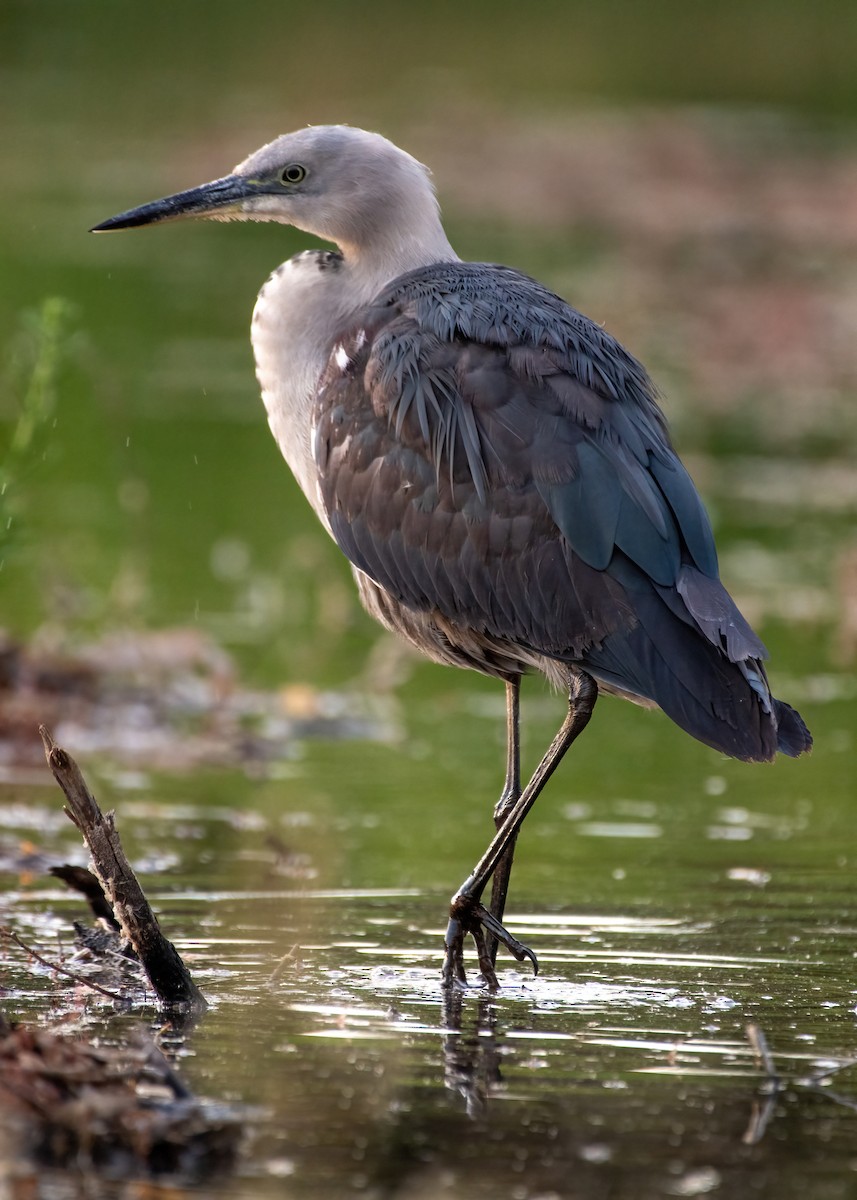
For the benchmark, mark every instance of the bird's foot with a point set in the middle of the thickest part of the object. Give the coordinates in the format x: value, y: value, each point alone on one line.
x: 468, y: 915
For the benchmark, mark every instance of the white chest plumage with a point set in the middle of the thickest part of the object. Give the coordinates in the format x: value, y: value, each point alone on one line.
x: 295, y: 312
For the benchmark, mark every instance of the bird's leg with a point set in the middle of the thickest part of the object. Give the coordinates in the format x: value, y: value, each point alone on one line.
x: 508, y: 798
x: 467, y: 912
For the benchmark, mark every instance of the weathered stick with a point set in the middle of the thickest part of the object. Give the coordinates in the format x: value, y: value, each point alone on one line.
x: 159, y: 958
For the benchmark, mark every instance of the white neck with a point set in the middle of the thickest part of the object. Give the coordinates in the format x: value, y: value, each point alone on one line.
x: 377, y: 259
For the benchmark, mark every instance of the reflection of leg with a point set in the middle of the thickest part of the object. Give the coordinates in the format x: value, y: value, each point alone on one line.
x: 508, y: 799
x: 467, y: 913
x: 471, y: 1057
x: 764, y: 1105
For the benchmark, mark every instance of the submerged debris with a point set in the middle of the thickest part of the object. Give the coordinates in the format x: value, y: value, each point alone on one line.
x: 100, y: 952
x: 66, y: 1102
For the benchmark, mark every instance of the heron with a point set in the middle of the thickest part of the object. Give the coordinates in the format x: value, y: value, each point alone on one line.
x: 495, y: 467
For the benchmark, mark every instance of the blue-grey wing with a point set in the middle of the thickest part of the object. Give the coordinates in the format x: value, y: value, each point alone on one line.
x: 488, y: 453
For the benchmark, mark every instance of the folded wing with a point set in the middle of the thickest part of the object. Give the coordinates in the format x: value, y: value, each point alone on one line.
x: 487, y: 453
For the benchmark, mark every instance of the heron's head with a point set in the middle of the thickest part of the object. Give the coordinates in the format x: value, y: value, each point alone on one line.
x: 342, y: 184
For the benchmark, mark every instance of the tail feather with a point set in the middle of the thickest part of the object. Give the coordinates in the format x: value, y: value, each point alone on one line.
x: 793, y: 737
x: 725, y: 704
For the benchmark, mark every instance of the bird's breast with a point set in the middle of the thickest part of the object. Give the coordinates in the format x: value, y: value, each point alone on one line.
x: 292, y: 331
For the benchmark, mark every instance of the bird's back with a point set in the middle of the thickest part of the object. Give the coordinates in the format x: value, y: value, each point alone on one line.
x: 496, y: 467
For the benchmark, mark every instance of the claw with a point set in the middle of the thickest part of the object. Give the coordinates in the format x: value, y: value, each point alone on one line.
x: 471, y: 916
x: 501, y: 933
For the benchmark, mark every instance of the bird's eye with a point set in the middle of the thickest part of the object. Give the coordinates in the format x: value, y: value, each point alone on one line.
x: 293, y: 173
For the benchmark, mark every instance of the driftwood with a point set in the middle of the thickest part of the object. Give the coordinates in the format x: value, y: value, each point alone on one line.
x: 159, y: 958
x: 79, y: 879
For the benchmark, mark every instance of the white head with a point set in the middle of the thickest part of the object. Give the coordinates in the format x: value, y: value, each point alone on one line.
x: 345, y: 185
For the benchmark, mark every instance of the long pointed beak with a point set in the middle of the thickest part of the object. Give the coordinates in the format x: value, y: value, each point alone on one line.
x: 211, y: 199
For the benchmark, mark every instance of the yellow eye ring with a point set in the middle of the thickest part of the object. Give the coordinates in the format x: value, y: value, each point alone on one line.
x: 292, y: 174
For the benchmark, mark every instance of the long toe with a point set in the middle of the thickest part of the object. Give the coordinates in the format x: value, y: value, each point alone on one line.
x: 501, y: 933
x: 470, y: 916
x: 454, y: 975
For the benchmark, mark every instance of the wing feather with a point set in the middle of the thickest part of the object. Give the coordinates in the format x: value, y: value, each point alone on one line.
x: 494, y: 458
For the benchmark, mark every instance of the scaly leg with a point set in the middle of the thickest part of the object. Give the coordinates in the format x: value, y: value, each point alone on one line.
x: 508, y: 798
x: 468, y: 915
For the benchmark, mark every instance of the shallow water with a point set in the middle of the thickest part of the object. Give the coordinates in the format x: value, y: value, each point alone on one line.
x: 624, y: 1069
